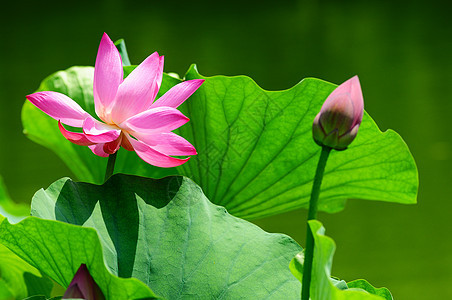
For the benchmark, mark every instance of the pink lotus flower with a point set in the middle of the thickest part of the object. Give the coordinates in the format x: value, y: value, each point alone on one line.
x: 337, y: 123
x: 83, y: 286
x: 132, y: 119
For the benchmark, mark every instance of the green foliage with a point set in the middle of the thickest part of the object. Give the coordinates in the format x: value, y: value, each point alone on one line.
x: 46, y: 298
x: 57, y: 249
x: 366, y: 286
x: 257, y: 156
x: 121, y: 45
x: 8, y: 208
x: 170, y: 236
x: 18, y: 279
x: 256, y: 152
x: 323, y: 287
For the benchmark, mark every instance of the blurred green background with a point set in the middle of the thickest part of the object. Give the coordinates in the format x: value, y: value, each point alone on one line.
x: 401, y: 53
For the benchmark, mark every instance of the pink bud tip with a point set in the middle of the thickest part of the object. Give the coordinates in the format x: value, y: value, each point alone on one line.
x: 337, y: 123
x: 83, y: 286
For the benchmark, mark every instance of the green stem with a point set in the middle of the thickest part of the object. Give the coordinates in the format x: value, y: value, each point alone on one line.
x: 312, y: 215
x: 110, y: 165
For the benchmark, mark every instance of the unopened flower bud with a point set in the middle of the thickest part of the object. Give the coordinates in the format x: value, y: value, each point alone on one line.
x: 83, y: 286
x: 337, y: 123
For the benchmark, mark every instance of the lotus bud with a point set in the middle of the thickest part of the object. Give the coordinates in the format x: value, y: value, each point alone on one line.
x: 337, y: 123
x: 83, y: 286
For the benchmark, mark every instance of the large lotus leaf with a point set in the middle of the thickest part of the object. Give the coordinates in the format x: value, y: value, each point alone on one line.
x: 323, y: 287
x: 366, y: 286
x: 46, y: 298
x: 170, y: 236
x: 5, y: 291
x: 257, y: 156
x: 18, y: 279
x: 57, y: 249
x: 256, y: 152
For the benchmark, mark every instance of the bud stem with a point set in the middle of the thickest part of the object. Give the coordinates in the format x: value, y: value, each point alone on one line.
x: 312, y: 215
x: 110, y: 165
